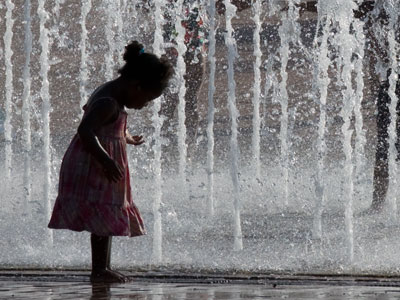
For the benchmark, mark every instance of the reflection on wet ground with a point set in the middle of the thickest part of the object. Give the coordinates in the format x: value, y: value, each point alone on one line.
x: 78, y: 287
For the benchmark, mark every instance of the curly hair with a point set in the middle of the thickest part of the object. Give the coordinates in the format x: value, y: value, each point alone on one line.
x: 151, y: 71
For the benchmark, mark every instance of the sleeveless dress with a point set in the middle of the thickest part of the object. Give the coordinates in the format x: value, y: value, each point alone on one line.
x: 86, y: 199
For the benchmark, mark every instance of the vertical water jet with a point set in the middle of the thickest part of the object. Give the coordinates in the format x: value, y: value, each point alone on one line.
x: 284, y: 51
x: 158, y: 49
x: 9, y: 88
x: 180, y: 73
x: 83, y: 72
x: 120, y: 40
x: 321, y: 80
x: 255, y: 141
x: 211, y: 110
x: 230, y: 42
x: 26, y: 101
x: 110, y: 35
x: 359, y: 147
x: 346, y: 44
x: 392, y: 9
x: 46, y: 105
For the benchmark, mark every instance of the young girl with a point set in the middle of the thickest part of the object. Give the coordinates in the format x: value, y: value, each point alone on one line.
x: 94, y: 190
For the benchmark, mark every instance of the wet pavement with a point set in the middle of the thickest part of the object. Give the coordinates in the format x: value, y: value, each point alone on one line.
x: 76, y: 285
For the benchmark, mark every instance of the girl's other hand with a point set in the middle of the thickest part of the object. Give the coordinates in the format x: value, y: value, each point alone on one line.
x: 134, y: 139
x: 113, y: 171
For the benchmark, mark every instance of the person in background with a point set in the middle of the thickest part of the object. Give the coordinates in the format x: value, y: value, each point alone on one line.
x: 194, y: 23
x: 373, y: 13
x: 196, y: 33
x: 376, y: 18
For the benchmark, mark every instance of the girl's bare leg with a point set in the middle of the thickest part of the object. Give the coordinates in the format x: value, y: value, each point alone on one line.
x: 109, y: 261
x: 101, y: 257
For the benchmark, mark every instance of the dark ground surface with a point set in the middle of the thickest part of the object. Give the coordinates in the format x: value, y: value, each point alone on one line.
x: 147, y: 285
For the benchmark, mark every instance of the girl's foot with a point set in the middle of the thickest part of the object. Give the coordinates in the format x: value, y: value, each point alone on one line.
x: 119, y: 274
x: 107, y: 276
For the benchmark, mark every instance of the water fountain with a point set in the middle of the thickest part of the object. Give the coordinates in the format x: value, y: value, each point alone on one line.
x: 280, y: 169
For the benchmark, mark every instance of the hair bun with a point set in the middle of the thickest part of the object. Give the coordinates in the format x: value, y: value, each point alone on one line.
x: 132, y: 51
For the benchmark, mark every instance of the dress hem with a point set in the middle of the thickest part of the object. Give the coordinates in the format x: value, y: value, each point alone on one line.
x: 80, y: 230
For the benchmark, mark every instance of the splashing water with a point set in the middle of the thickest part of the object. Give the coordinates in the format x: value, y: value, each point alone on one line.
x: 281, y: 166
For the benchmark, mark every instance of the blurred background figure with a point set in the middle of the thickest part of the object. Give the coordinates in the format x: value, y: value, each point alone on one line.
x: 194, y: 16
x: 376, y: 18
x: 195, y: 23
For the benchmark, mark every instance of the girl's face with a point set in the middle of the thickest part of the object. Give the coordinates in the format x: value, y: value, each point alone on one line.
x: 137, y: 97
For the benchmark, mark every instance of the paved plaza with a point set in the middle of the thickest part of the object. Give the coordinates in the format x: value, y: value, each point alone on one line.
x: 76, y: 285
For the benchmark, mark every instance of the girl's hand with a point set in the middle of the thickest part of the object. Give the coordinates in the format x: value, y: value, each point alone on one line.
x: 113, y: 171
x: 134, y: 140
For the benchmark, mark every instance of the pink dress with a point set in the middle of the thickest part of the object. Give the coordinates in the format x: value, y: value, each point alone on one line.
x: 86, y: 199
